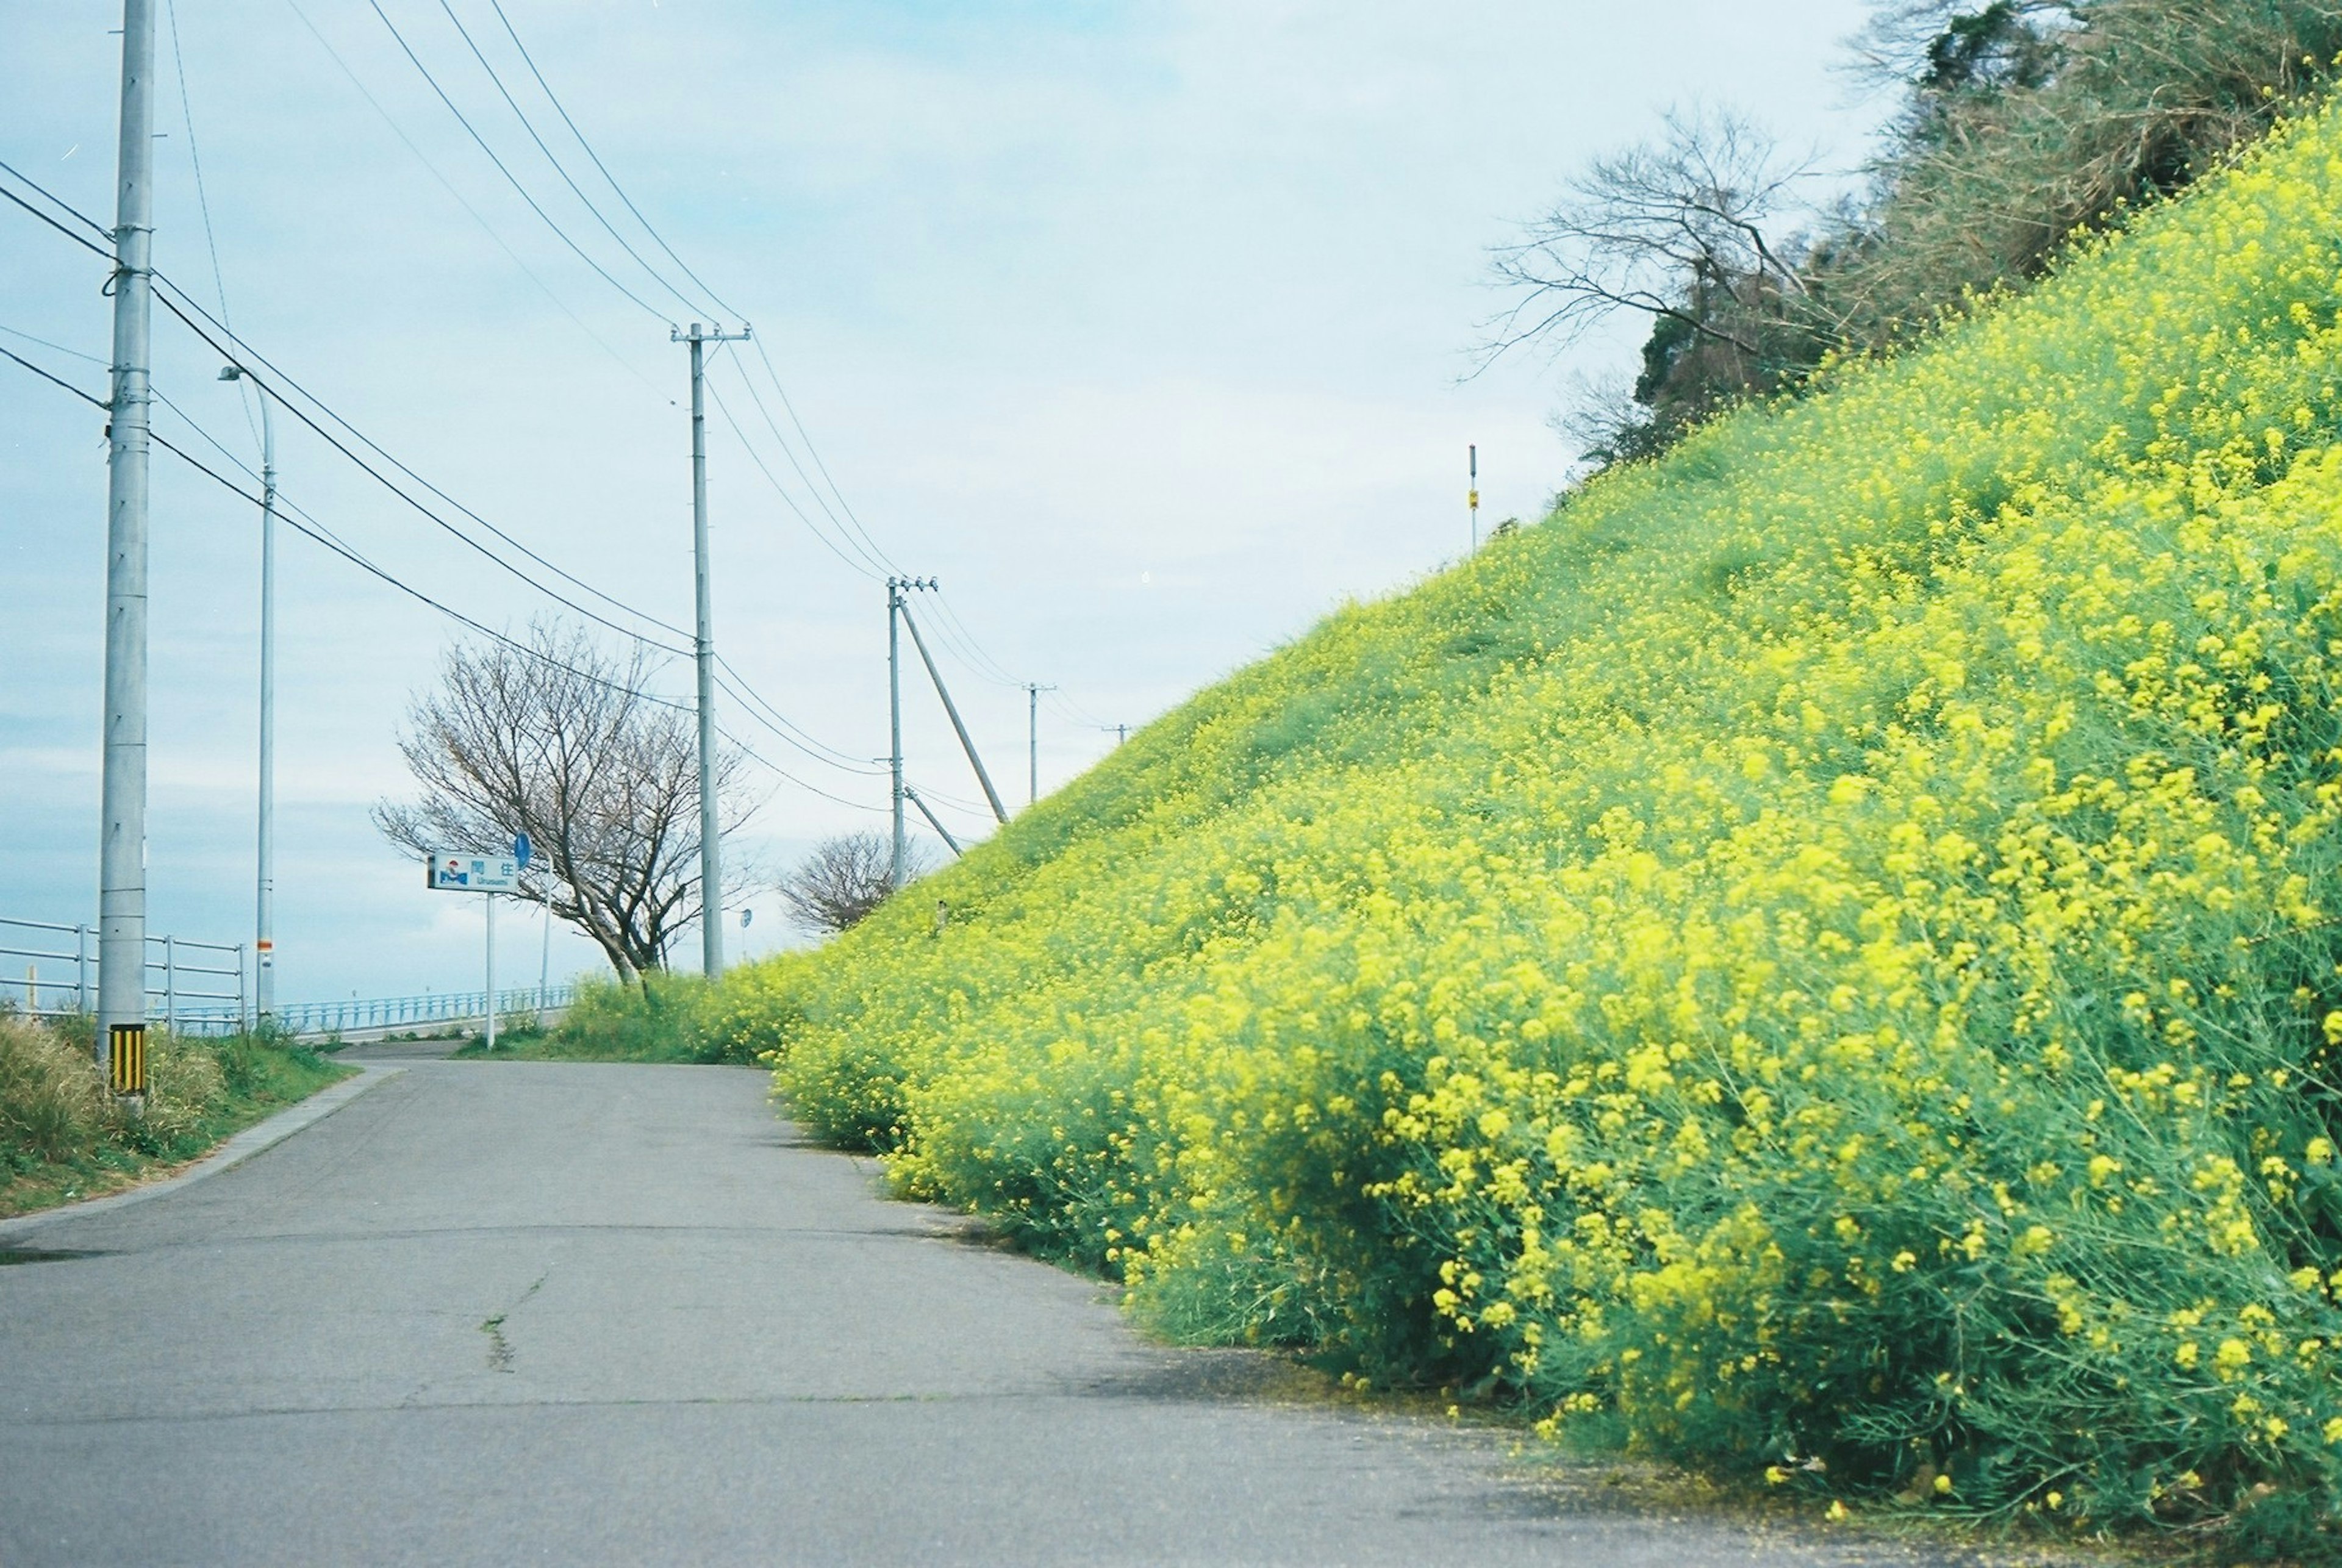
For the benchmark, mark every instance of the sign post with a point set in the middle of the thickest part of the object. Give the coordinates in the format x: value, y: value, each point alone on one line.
x: 490, y: 900
x: 466, y: 871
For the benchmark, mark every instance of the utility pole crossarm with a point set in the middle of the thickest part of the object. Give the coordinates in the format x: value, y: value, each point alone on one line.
x: 966, y: 744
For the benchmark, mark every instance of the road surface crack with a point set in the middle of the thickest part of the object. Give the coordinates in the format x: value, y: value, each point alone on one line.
x: 500, y: 1349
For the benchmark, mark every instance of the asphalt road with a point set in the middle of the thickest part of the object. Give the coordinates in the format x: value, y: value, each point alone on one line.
x: 523, y: 1312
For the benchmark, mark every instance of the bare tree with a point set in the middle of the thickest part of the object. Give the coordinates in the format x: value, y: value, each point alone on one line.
x: 552, y: 737
x: 844, y: 879
x: 1683, y: 229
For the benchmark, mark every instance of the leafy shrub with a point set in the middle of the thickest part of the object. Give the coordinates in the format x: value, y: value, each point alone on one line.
x: 1869, y: 1021
x: 670, y: 1018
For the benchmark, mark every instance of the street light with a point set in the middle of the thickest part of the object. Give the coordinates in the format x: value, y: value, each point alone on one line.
x: 264, y: 944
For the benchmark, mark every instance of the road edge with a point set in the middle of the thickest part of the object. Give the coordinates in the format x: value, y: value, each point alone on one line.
x: 242, y: 1147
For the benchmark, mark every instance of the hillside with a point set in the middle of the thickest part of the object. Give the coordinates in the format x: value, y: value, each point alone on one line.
x: 1820, y: 958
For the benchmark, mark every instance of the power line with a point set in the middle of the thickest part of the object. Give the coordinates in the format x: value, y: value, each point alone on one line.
x: 809, y: 743
x: 59, y: 347
x: 244, y: 355
x: 969, y: 651
x: 309, y: 526
x: 781, y: 490
x: 958, y: 638
x: 562, y: 233
x: 303, y: 523
x: 56, y: 381
x: 448, y: 185
x: 814, y: 453
x: 163, y: 295
x: 555, y: 99
x: 77, y: 239
x: 766, y: 763
x: 526, y: 125
x: 754, y: 705
x: 876, y: 561
x: 202, y: 197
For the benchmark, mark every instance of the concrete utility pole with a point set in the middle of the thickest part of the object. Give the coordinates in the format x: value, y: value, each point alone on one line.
x: 1033, y: 737
x: 121, y: 843
x: 896, y: 588
x: 1474, y: 454
x: 711, y: 857
x: 264, y: 942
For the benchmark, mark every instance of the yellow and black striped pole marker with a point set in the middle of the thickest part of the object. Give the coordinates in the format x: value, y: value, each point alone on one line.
x: 126, y: 1055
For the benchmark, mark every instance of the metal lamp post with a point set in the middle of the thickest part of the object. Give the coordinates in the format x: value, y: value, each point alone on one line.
x: 264, y: 944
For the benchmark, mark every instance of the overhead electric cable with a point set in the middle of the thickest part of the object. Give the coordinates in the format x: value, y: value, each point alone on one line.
x: 808, y: 741
x: 555, y: 99
x: 880, y: 565
x: 781, y: 490
x: 485, y: 227
x: 54, y: 380
x: 753, y: 755
x: 203, y: 201
x: 316, y: 531
x: 814, y: 453
x: 753, y: 705
x: 562, y: 233
x: 522, y: 115
x: 243, y: 353
x: 77, y: 239
x: 379, y: 477
x: 59, y: 347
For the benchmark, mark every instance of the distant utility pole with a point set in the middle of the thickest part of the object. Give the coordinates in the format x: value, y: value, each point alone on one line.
x: 711, y: 859
x: 1033, y: 737
x: 1474, y: 454
x: 896, y: 588
x: 264, y: 939
x: 1121, y: 734
x: 122, y: 842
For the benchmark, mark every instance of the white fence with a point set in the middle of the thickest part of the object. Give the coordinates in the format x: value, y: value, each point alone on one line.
x: 395, y: 1013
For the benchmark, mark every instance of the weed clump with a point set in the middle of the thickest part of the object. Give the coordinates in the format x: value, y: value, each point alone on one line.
x: 63, y: 1135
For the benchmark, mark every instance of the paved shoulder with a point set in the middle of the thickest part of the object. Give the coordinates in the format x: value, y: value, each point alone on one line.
x: 588, y: 1313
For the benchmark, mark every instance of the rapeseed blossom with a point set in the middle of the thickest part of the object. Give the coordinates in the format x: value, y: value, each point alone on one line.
x: 1824, y: 957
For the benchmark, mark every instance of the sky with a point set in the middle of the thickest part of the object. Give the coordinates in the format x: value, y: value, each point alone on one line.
x: 1146, y: 331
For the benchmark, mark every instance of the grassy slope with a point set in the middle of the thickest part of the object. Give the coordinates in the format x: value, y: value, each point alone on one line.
x: 1816, y: 949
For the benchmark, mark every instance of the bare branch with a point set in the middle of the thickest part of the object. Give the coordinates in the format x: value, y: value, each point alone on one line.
x: 559, y: 742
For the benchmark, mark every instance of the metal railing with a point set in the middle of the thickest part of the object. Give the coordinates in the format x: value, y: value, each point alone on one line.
x: 192, y: 987
x: 391, y: 1013
x: 200, y: 987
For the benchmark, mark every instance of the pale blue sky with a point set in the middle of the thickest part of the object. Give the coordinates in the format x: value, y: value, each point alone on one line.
x: 1140, y: 328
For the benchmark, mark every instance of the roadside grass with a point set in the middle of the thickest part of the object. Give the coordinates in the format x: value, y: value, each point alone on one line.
x: 63, y: 1139
x: 667, y: 1018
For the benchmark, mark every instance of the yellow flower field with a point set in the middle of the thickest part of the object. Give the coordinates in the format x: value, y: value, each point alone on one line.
x: 1820, y: 959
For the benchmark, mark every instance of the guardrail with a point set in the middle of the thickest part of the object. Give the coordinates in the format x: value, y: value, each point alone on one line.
x: 199, y: 987
x: 192, y: 987
x: 436, y: 1007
